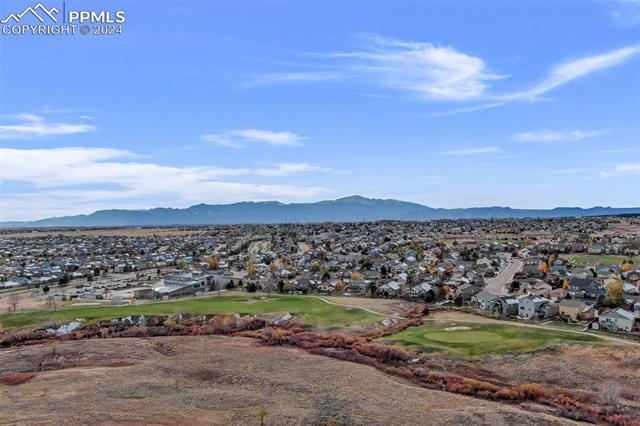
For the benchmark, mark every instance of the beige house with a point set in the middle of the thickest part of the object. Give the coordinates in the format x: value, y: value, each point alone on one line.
x: 576, y: 310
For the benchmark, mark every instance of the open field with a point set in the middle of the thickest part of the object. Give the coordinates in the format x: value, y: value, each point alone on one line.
x: 593, y: 259
x: 221, y: 380
x: 472, y: 339
x: 310, y: 311
x: 106, y: 232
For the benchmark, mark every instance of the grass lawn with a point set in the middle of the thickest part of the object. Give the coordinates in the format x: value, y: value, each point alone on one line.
x: 597, y: 259
x: 310, y: 310
x: 472, y: 339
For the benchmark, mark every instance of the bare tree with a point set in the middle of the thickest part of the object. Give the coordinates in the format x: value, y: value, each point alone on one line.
x: 13, y: 302
x: 51, y: 301
x: 610, y: 393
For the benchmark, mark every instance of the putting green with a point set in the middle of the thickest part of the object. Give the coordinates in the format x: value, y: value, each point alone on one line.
x: 472, y: 339
x: 463, y: 336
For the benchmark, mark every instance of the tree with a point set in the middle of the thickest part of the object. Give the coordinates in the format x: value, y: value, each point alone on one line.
x: 356, y: 276
x: 252, y: 287
x: 281, y: 286
x: 262, y: 413
x: 340, y: 286
x: 610, y: 393
x: 287, y: 286
x: 615, y: 292
x: 251, y: 269
x: 315, y: 266
x: 213, y: 263
x: 13, y: 302
x: 45, y: 289
x: 565, y: 284
x: 543, y: 267
x: 182, y: 265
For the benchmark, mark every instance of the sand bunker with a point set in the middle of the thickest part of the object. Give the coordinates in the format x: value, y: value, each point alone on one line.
x: 458, y: 328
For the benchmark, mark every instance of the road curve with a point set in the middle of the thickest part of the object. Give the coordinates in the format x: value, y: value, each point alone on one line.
x: 496, y: 284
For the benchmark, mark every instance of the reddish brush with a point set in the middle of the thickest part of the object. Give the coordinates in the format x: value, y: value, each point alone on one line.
x: 17, y: 378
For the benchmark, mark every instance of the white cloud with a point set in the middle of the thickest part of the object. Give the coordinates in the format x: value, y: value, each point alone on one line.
x: 470, y: 151
x: 288, y: 169
x: 558, y: 76
x: 433, y: 72
x: 240, y: 138
x: 75, y: 180
x: 30, y: 126
x: 574, y: 69
x: 556, y: 136
x: 622, y: 170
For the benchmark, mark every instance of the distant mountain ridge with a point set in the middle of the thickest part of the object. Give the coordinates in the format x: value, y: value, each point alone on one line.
x: 348, y: 209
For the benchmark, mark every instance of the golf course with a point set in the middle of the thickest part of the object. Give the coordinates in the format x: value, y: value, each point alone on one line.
x: 472, y: 339
x: 309, y: 310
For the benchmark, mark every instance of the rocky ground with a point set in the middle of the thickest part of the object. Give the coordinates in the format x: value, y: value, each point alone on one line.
x: 222, y: 380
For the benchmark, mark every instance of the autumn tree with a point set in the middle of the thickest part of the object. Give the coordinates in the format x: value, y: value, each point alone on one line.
x: 543, y: 267
x: 213, y: 263
x: 356, y: 276
x: 340, y: 286
x: 615, y: 292
x: 251, y: 269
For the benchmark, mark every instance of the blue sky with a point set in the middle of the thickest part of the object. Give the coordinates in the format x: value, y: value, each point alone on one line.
x: 449, y: 104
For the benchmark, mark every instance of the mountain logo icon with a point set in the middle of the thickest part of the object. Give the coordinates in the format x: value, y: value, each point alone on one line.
x: 39, y: 11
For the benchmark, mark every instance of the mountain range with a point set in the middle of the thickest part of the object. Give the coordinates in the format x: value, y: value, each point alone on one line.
x: 348, y: 209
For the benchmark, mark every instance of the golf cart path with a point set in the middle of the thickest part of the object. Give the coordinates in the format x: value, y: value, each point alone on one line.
x: 360, y: 307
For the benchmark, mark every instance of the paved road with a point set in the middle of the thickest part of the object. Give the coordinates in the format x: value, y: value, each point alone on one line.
x: 496, y: 284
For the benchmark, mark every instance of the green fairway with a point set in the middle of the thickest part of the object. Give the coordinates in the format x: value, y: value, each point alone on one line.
x: 471, y: 339
x: 310, y: 311
x: 587, y: 259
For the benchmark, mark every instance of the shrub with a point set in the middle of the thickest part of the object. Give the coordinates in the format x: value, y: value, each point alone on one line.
x: 17, y: 378
x: 384, y: 353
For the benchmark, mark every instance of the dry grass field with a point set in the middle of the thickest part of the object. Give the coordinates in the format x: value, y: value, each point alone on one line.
x: 222, y: 380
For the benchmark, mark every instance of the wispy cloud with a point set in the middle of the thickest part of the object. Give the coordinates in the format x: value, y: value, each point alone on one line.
x: 240, y: 138
x: 294, y: 77
x: 432, y: 72
x: 76, y: 179
x: 287, y: 169
x: 621, y: 170
x: 557, y: 136
x: 575, y: 171
x: 31, y: 126
x: 560, y: 75
x: 624, y: 13
x: 442, y: 73
x: 470, y: 151
x: 618, y: 150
